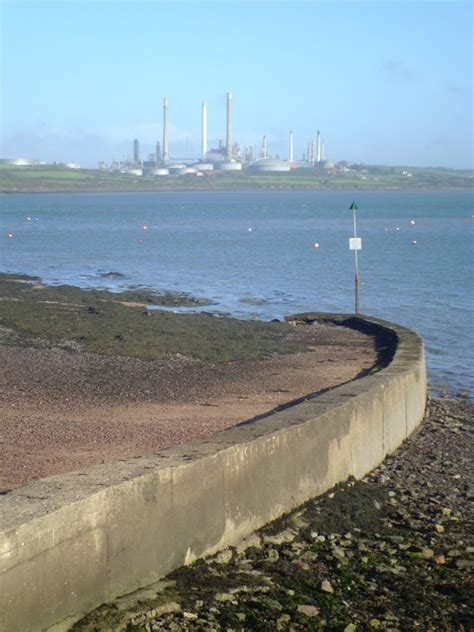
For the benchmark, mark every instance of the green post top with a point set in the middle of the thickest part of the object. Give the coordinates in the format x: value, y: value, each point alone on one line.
x: 353, y: 207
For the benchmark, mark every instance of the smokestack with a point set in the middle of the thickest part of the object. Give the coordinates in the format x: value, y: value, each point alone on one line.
x: 229, y: 127
x: 264, y: 152
x: 204, y: 131
x: 166, y: 153
x: 290, y: 148
x: 136, y: 150
x: 158, y: 153
x: 318, y: 146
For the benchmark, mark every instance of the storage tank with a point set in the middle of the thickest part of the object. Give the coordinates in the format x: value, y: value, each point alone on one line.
x: 269, y: 165
x: 228, y: 166
x: 177, y: 169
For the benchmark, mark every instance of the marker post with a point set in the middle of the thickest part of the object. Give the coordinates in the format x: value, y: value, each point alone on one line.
x: 355, y: 244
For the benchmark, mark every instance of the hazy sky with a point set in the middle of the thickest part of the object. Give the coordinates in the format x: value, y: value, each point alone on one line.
x: 385, y: 82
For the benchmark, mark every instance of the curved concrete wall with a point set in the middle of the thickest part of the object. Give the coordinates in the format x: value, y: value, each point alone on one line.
x: 71, y: 542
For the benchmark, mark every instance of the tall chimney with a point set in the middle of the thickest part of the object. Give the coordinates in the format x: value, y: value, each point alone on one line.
x: 136, y: 151
x: 318, y: 146
x: 229, y: 127
x: 290, y: 148
x: 264, y: 152
x: 204, y: 131
x: 166, y: 153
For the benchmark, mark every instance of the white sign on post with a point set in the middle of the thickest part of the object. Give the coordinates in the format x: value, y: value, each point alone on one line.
x: 355, y: 243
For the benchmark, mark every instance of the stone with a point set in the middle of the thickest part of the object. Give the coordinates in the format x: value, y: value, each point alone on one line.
x: 339, y: 553
x: 439, y: 528
x: 190, y: 616
x: 273, y: 555
x: 327, y: 587
x: 252, y: 540
x: 225, y: 597
x: 272, y: 604
x: 224, y: 556
x: 284, y: 537
x: 427, y: 554
x: 375, y: 623
x: 308, y: 611
x: 465, y: 563
x: 283, y: 621
x: 440, y: 559
x: 350, y: 628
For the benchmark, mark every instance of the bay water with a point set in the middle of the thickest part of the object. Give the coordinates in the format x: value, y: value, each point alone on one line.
x: 267, y: 254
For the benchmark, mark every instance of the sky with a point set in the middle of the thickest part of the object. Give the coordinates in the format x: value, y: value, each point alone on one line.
x: 385, y: 82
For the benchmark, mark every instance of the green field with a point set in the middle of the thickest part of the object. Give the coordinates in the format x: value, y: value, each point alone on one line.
x: 54, y: 178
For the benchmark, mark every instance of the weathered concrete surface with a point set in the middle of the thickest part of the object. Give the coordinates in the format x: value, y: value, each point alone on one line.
x: 71, y: 542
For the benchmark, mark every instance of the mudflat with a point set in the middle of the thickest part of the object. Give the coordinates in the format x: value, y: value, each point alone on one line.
x: 93, y: 379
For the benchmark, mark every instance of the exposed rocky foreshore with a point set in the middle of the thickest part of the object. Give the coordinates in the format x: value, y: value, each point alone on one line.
x: 392, y: 552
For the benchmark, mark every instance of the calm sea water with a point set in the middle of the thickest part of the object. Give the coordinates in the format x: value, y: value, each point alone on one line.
x: 253, y: 255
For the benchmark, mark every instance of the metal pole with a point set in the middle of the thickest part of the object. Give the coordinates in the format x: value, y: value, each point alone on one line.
x: 357, y: 277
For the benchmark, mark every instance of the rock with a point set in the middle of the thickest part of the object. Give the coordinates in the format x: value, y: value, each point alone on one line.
x: 440, y: 559
x: 225, y: 597
x: 283, y: 621
x: 350, y: 628
x: 308, y: 611
x: 339, y: 553
x: 464, y: 563
x: 284, y: 537
x: 241, y: 616
x: 439, y: 528
x: 327, y: 587
x: 273, y: 555
x: 427, y: 554
x: 190, y: 616
x: 375, y: 623
x: 224, y: 556
x: 272, y: 604
x: 252, y: 540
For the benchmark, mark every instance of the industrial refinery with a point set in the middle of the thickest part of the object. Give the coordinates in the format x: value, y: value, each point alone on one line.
x: 227, y: 157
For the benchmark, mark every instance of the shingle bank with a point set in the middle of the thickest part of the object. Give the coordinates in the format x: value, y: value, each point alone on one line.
x: 71, y: 542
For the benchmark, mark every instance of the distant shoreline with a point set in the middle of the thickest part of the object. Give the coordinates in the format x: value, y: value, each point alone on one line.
x: 246, y: 190
x: 59, y: 179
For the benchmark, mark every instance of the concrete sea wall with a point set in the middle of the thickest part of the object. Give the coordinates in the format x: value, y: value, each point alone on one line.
x: 71, y: 542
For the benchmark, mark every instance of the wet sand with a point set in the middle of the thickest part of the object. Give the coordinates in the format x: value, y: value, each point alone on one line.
x: 63, y: 410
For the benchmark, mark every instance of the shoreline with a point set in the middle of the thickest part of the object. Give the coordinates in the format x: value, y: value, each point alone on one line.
x: 88, y: 378
x: 248, y: 190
